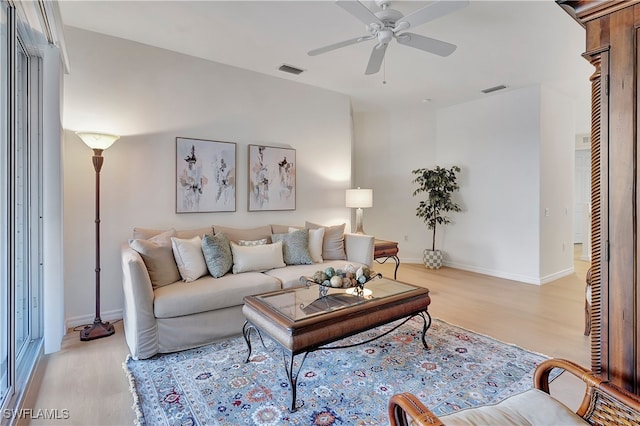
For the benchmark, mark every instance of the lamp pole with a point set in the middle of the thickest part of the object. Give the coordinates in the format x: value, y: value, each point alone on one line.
x: 98, y: 143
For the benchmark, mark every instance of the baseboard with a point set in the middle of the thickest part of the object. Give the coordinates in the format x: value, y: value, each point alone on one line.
x: 73, y: 322
x: 500, y: 274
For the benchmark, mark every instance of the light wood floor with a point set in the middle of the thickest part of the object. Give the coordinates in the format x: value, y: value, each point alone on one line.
x: 87, y: 379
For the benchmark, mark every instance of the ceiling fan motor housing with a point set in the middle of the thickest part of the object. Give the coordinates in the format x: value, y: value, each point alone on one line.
x: 388, y: 16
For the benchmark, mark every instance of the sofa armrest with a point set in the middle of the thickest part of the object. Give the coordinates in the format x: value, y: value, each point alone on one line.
x: 359, y: 248
x: 140, y: 326
x: 603, y: 402
x: 405, y: 409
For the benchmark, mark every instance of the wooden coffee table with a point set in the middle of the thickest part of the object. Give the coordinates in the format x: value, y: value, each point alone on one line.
x: 302, y: 322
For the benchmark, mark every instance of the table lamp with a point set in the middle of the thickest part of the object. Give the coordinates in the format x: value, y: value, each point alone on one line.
x: 359, y: 199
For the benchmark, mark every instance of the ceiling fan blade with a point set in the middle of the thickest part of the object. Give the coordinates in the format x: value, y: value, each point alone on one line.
x: 375, y: 60
x: 431, y: 45
x: 360, y: 11
x: 339, y: 45
x: 428, y: 13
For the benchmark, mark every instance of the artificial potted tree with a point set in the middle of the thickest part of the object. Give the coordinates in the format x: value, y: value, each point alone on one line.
x: 438, y: 184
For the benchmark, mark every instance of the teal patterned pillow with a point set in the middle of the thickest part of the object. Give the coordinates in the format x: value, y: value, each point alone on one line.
x: 295, y: 247
x: 217, y: 254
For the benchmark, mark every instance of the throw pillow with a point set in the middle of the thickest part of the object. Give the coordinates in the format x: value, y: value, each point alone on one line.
x: 295, y: 246
x: 316, y: 237
x: 260, y: 242
x: 217, y: 254
x: 257, y: 258
x: 237, y: 234
x: 189, y: 258
x: 157, y: 256
x: 333, y: 243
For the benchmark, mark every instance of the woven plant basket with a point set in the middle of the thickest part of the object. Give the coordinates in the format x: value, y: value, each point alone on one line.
x: 432, y: 259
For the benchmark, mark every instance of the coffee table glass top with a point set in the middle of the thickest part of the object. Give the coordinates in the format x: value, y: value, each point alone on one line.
x: 303, y: 302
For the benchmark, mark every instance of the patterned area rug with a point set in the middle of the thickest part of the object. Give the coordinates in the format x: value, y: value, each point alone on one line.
x: 212, y: 385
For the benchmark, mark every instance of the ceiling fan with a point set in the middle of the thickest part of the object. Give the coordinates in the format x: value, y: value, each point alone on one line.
x: 387, y: 24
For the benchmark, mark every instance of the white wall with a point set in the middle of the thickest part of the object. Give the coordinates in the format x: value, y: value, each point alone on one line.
x: 150, y: 96
x: 557, y: 161
x: 389, y: 145
x: 495, y: 141
x: 53, y: 273
x: 503, y: 143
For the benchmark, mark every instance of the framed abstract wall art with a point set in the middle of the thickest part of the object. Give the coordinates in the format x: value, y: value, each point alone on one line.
x: 205, y: 176
x: 272, y: 178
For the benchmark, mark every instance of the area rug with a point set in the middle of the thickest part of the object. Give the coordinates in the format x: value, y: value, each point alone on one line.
x: 212, y: 385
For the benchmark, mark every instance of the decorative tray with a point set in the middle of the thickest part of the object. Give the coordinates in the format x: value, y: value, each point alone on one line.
x: 349, y: 277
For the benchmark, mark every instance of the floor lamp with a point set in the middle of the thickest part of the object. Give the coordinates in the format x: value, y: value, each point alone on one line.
x: 98, y: 142
x: 359, y: 199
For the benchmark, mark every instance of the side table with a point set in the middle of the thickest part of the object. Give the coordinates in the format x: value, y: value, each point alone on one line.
x: 385, y: 250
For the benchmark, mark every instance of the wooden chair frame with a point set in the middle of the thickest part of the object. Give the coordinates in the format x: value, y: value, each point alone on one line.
x: 603, y: 403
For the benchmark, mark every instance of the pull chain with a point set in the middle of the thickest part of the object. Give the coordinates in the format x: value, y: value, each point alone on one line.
x: 384, y: 71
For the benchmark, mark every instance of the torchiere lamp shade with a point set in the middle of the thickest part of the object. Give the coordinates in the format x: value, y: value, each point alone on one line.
x: 100, y: 141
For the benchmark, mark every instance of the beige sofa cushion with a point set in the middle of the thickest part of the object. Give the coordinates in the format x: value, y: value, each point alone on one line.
x: 208, y: 293
x: 333, y: 242
x: 189, y: 257
x: 256, y: 258
x: 252, y: 234
x: 532, y: 407
x: 158, y: 257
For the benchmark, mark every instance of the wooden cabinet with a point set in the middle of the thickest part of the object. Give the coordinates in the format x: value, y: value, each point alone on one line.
x: 612, y: 43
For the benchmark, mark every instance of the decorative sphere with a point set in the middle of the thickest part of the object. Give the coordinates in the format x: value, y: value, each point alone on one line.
x: 319, y: 277
x: 326, y: 283
x: 330, y: 271
x: 346, y: 282
x: 336, y: 281
x: 362, y: 279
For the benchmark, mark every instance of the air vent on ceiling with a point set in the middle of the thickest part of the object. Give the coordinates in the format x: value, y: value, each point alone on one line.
x: 494, y: 89
x: 290, y: 69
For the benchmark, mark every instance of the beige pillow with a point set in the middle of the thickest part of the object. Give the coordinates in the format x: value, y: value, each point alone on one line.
x: 316, y: 238
x: 189, y: 258
x: 257, y: 258
x: 158, y: 257
x: 333, y: 242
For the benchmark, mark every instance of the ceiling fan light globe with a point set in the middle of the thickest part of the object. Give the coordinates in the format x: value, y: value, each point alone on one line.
x: 385, y: 36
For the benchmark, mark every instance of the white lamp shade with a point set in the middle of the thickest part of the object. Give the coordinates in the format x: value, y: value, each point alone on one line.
x: 97, y: 140
x: 359, y: 198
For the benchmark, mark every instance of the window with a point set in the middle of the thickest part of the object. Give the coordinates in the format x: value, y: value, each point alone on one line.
x: 4, y: 196
x: 20, y: 209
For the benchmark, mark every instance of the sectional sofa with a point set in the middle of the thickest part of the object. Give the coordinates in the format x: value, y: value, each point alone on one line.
x: 184, y: 289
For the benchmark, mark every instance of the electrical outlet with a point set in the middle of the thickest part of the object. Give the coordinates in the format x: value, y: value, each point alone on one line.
x: 546, y: 212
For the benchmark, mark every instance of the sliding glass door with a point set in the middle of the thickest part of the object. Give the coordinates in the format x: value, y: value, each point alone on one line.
x: 20, y: 210
x: 5, y: 313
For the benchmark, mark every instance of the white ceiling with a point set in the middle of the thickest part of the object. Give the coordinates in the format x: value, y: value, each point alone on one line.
x: 515, y: 43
